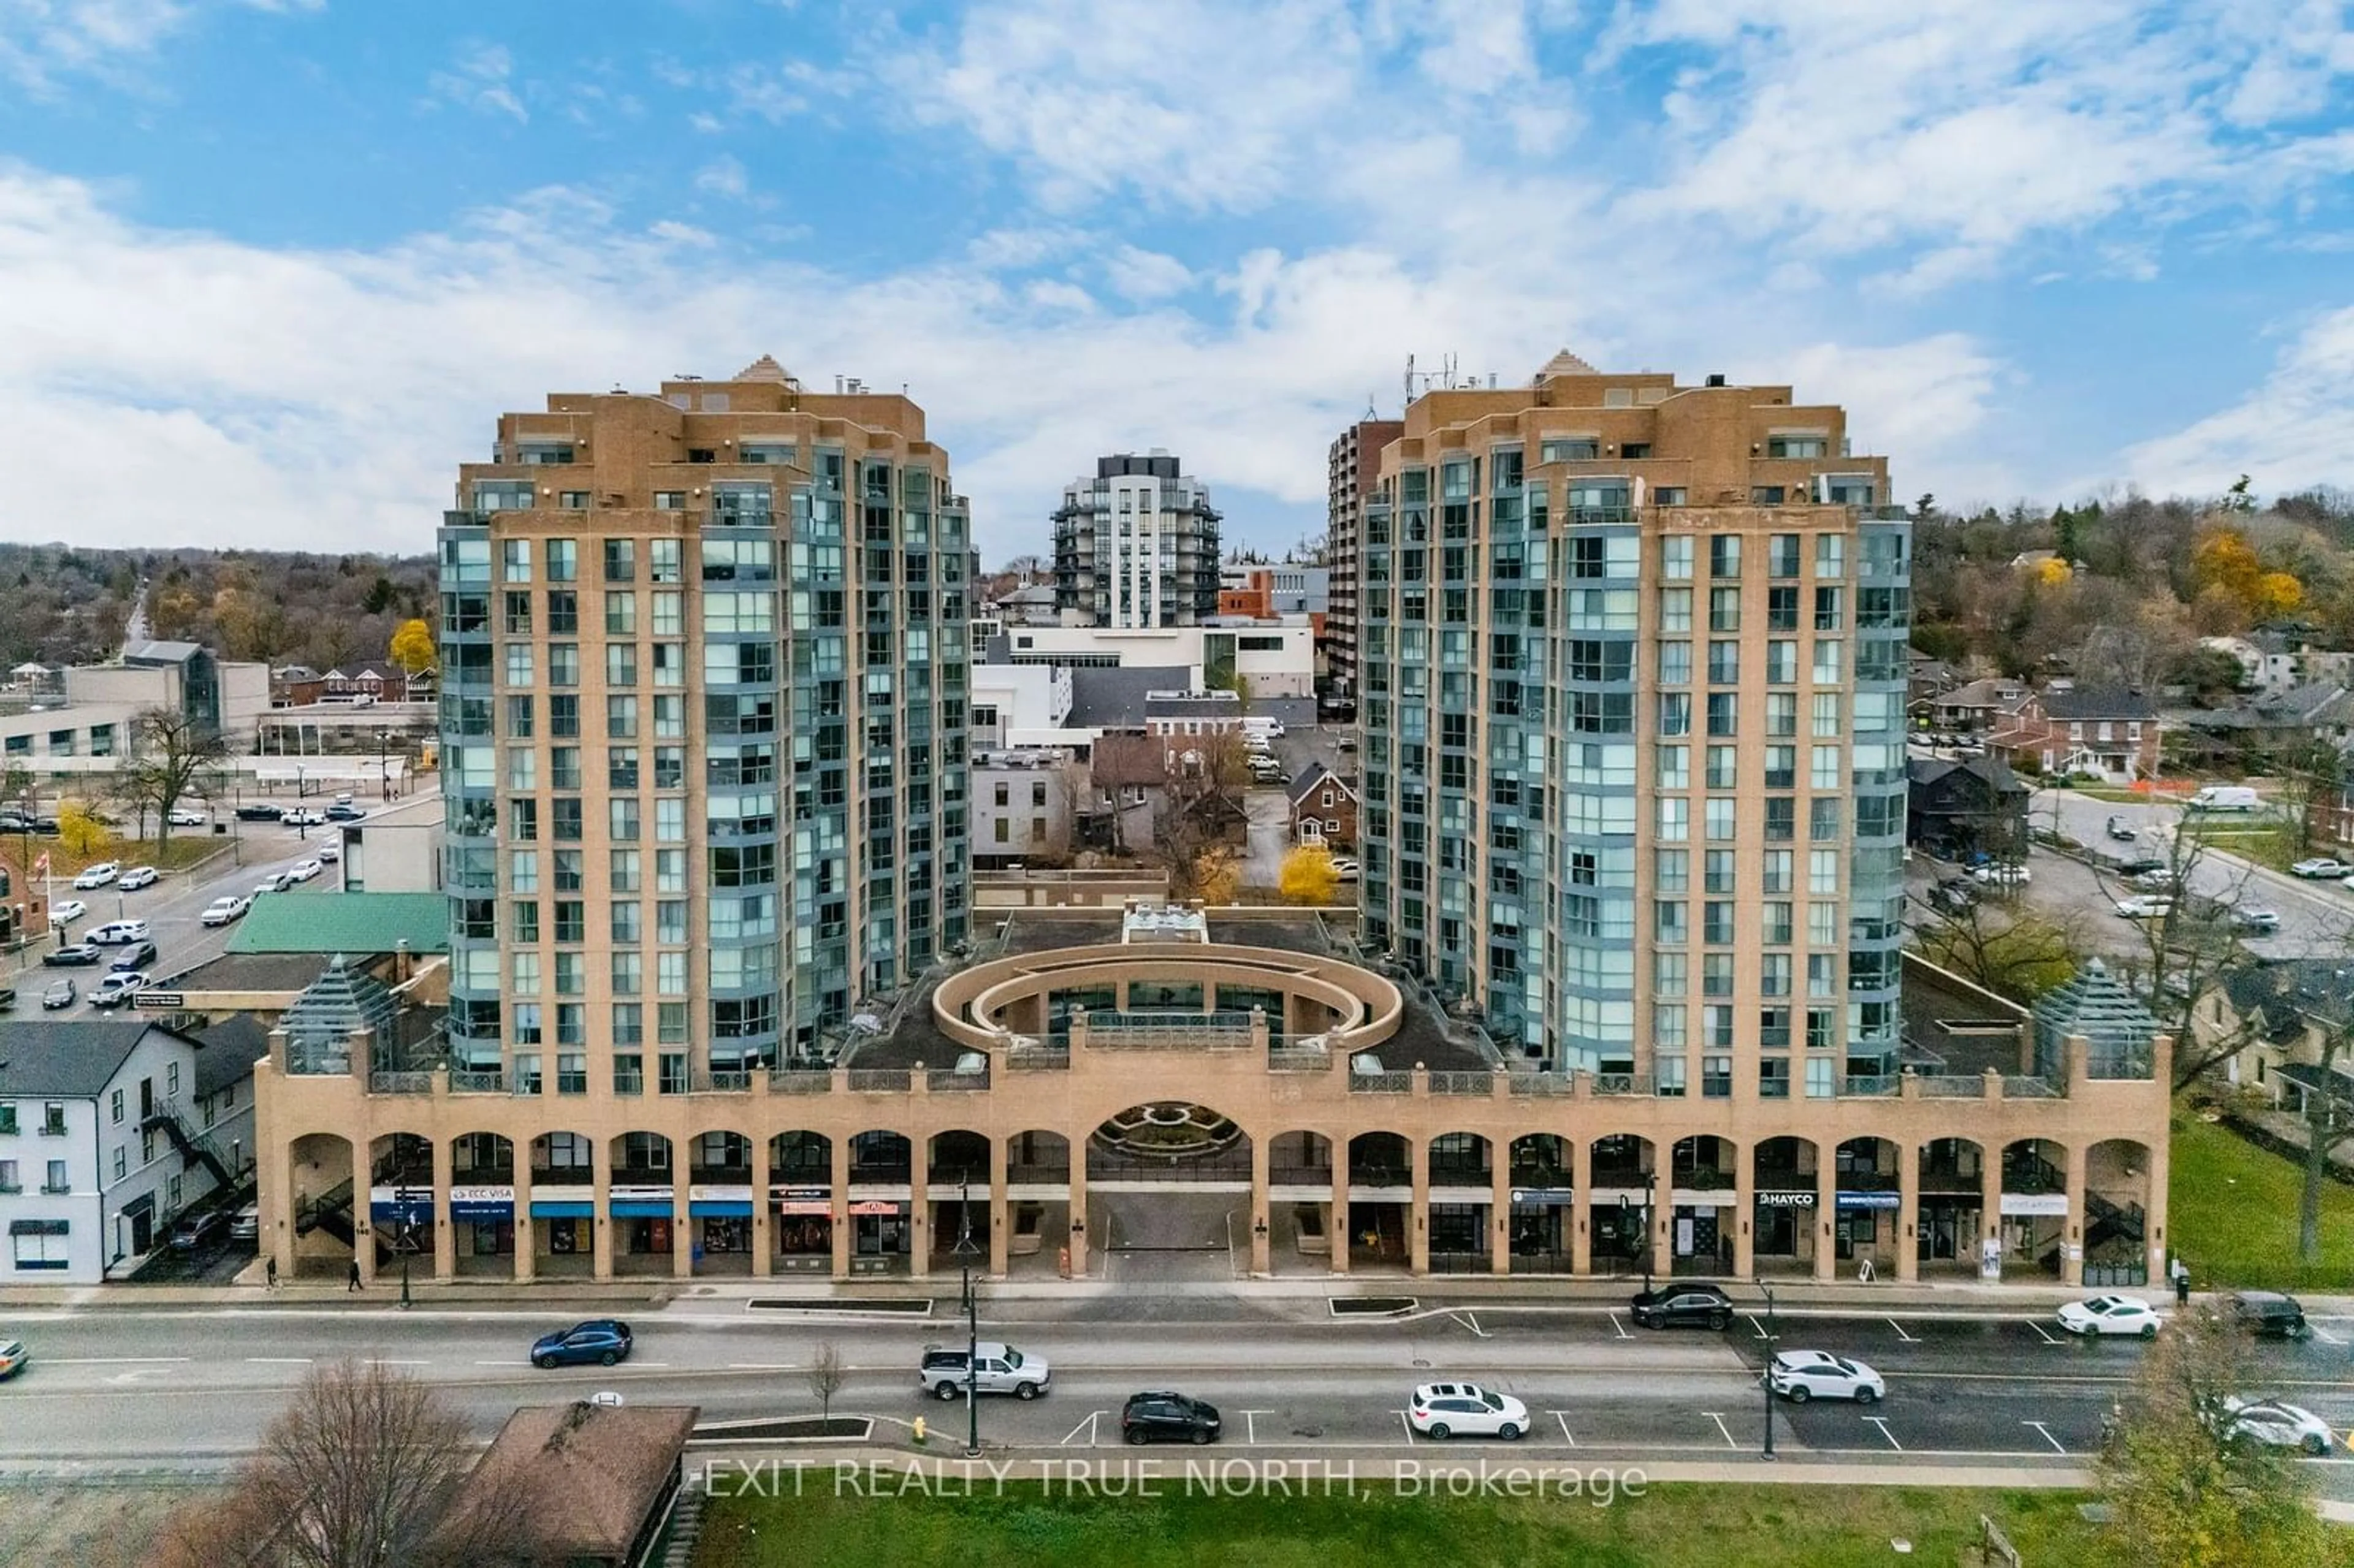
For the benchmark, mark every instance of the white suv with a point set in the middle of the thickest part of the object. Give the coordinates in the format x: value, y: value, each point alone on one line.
x: 1801, y: 1375
x: 1466, y: 1410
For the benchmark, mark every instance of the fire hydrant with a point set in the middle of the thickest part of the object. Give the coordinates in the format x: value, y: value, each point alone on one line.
x: 918, y: 1431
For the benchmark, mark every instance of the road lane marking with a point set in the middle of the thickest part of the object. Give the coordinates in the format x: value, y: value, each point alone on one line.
x: 1755, y: 1324
x: 1409, y: 1427
x: 1471, y: 1322
x: 1720, y: 1426
x: 1087, y: 1426
x: 1250, y: 1423
x: 1900, y: 1333
x: 108, y: 1361
x: 1563, y: 1416
x: 2324, y: 1336
x: 1882, y: 1423
x: 1620, y: 1327
x: 2057, y: 1445
x: 2042, y: 1331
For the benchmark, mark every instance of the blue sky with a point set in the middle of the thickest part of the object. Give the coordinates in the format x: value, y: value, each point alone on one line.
x: 268, y: 269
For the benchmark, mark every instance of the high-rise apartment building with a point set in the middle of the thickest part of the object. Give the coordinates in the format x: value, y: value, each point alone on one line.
x: 703, y: 728
x: 1351, y: 467
x: 1137, y: 545
x: 1633, y: 698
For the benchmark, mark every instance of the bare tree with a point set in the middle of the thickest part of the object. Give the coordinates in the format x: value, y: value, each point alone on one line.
x: 1207, y: 776
x: 2187, y: 945
x: 360, y: 1471
x: 826, y: 1375
x: 170, y: 752
x: 2014, y: 953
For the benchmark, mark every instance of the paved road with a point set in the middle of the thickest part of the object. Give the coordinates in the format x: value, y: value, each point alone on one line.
x: 118, y: 1387
x: 171, y: 908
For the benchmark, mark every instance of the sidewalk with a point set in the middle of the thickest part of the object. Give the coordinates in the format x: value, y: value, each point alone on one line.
x: 1434, y: 1293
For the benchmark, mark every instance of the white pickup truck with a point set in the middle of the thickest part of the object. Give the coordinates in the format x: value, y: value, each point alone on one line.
x: 1002, y: 1370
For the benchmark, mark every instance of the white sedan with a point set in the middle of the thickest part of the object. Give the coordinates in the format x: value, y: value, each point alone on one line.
x: 1801, y: 1375
x: 221, y: 911
x: 2278, y: 1426
x: 1445, y: 1410
x: 304, y: 870
x: 2112, y: 1315
x: 181, y: 817
x: 329, y: 853
x: 2145, y: 907
x: 66, y: 912
x: 103, y: 874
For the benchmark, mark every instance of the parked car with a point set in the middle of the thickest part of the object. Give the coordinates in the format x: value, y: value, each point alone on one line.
x: 1954, y: 893
x: 2118, y: 828
x: 246, y: 1226
x: 2145, y: 907
x: 2269, y: 1315
x: 2003, y: 875
x: 1168, y: 1418
x: 2112, y: 1315
x: 223, y: 910
x: 344, y: 811
x: 2137, y: 864
x: 329, y: 853
x: 137, y: 877
x: 196, y: 1230
x: 304, y: 870
x: 2321, y: 868
x: 66, y: 911
x: 1445, y: 1410
x: 1001, y: 1369
x: 276, y: 882
x: 1683, y: 1306
x: 119, y: 987
x: 2256, y: 921
x: 78, y: 954
x: 303, y: 816
x: 1801, y: 1375
x: 115, y: 933
x: 343, y: 797
x: 260, y: 812
x: 13, y: 1357
x: 183, y: 817
x: 137, y: 956
x: 603, y: 1340
x: 1345, y: 867
x: 2276, y: 1424
x: 2157, y: 879
x: 103, y: 874
x: 60, y: 993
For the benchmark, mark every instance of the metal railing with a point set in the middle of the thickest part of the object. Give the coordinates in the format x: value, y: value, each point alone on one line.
x: 1168, y: 1031
x: 1037, y: 1061
x: 2029, y: 1086
x: 1622, y: 1082
x: 1380, y: 1083
x: 800, y: 1081
x: 1953, y: 1085
x: 879, y: 1080
x: 466, y: 1081
x: 1298, y: 1061
x: 1862, y: 1086
x: 948, y: 1080
x: 1480, y: 1083
x: 1541, y: 1083
x: 400, y: 1083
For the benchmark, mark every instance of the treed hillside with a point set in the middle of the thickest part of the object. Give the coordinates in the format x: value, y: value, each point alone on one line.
x: 2120, y: 592
x: 63, y: 605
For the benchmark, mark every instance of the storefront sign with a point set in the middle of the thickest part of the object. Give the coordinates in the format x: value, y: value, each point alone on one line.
x: 1871, y: 1200
x: 1786, y: 1200
x: 801, y: 1201
x: 641, y: 1194
x: 640, y: 1203
x: 870, y: 1207
x: 481, y: 1202
x: 719, y: 1193
x: 1544, y: 1197
x: 2045, y: 1204
x: 396, y: 1205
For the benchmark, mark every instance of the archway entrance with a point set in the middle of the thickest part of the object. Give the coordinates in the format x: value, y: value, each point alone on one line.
x: 1169, y: 1186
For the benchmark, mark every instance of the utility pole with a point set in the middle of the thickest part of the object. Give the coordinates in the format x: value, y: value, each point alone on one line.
x: 966, y: 1252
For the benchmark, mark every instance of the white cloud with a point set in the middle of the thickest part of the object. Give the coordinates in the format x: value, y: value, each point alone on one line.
x: 2293, y: 430
x: 43, y: 41
x: 1146, y: 275
x: 724, y: 176
x: 480, y: 77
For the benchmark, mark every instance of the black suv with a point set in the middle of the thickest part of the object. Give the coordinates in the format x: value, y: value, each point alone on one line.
x: 1168, y: 1418
x: 258, y: 813
x: 1683, y: 1306
x: 2269, y: 1315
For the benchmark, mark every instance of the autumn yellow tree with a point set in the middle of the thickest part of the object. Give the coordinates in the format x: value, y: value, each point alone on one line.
x: 2223, y: 564
x: 1308, y: 875
x: 80, y: 834
x: 412, y: 647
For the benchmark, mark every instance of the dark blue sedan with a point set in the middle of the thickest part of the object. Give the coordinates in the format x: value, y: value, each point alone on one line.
x: 603, y: 1340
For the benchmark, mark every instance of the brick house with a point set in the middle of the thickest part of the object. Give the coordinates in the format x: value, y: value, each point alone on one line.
x: 2111, y: 733
x: 1323, y: 807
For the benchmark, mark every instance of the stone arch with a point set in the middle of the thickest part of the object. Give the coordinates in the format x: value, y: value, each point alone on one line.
x: 315, y: 1208
x: 2117, y: 1237
x: 1868, y: 1219
x: 2034, y: 1219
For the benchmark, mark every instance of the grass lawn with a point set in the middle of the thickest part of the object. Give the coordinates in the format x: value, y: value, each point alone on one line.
x: 1669, y: 1527
x: 2273, y: 844
x: 186, y: 847
x: 2233, y: 1208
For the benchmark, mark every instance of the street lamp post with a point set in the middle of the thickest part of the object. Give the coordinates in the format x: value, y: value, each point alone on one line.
x: 965, y: 1253
x: 1650, y: 1183
x: 1766, y: 1375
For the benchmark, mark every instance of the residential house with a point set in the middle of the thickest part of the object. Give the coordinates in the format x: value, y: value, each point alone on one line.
x: 101, y: 1146
x: 2279, y: 1015
x: 1976, y: 706
x: 2267, y: 724
x: 1959, y: 809
x: 1024, y: 804
x: 1323, y: 807
x: 2110, y: 733
x: 585, y: 1485
x: 2265, y: 663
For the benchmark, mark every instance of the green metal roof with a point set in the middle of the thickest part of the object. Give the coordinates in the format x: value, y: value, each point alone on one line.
x: 304, y: 921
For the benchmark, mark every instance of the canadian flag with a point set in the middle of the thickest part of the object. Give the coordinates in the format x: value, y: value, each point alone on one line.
x: 41, y: 866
